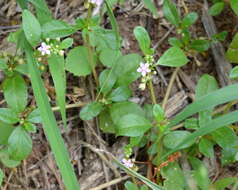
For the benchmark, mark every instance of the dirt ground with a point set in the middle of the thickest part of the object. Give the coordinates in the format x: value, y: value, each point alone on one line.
x: 39, y: 171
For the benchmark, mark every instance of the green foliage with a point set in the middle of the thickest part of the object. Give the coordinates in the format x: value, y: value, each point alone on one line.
x: 234, y: 6
x: 200, y: 45
x: 19, y: 144
x: 77, y: 61
x: 144, y: 40
x: 31, y: 27
x: 15, y: 92
x: 91, y: 110
x: 234, y: 72
x: 171, y: 13
x: 189, y: 20
x: 57, y: 29
x: 217, y: 8
x: 149, y: 4
x: 173, y: 57
x: 1, y: 176
x: 232, y: 52
x: 57, y: 70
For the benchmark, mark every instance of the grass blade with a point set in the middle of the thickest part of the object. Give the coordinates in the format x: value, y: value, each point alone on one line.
x: 57, y: 70
x: 208, y: 128
x: 140, y: 177
x: 50, y: 126
x: 113, y: 23
x: 210, y: 100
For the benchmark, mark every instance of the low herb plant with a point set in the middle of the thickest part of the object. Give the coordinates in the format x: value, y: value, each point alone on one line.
x: 44, y: 45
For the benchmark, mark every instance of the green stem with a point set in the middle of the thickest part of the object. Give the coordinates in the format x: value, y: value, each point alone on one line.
x: 171, y: 82
x: 152, y: 92
x: 90, y: 50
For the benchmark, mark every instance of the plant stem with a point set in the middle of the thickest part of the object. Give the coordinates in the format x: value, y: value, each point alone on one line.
x: 90, y: 50
x: 152, y: 92
x: 171, y: 82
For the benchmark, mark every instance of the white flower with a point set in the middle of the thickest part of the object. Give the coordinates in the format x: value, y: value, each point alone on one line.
x: 127, y: 162
x: 44, y: 49
x: 144, y: 69
x: 96, y: 2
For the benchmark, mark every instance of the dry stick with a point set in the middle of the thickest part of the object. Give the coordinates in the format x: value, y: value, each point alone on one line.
x: 223, y: 67
x: 57, y: 8
x: 7, y: 182
x: 113, y: 182
x: 171, y: 82
x: 69, y: 106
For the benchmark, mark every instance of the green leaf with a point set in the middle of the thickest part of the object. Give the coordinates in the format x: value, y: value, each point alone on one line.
x: 132, y: 125
x: 3, y: 64
x: 189, y: 20
x: 232, y: 52
x: 23, y: 5
x: 6, y: 161
x: 8, y: 116
x: 206, y: 84
x: 57, y: 29
x: 206, y: 147
x: 228, y: 155
x: 220, y: 36
x: 149, y: 4
x: 107, y: 79
x: 66, y: 43
x: 191, y: 123
x: 126, y: 67
x: 174, y: 138
x: 225, y: 182
x: 174, y: 178
x: 175, y: 42
x: 29, y: 127
x: 57, y: 70
x: 50, y: 127
x: 15, y: 93
x: 1, y: 177
x: 216, y: 9
x: 200, y: 173
x: 210, y: 100
x: 225, y: 137
x: 19, y: 144
x: 34, y: 116
x: 109, y: 57
x: 234, y: 6
x: 131, y: 186
x: 234, y: 72
x: 43, y: 12
x: 200, y: 45
x: 77, y: 61
x: 158, y: 113
x: 173, y: 57
x: 6, y: 131
x: 105, y: 122
x: 120, y: 109
x: 122, y: 93
x: 171, y: 13
x: 31, y: 27
x: 91, y: 110
x: 143, y: 38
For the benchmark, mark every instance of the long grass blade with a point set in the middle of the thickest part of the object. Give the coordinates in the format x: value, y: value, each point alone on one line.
x: 50, y: 126
x: 210, y: 100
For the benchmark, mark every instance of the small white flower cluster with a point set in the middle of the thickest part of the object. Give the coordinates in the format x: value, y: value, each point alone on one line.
x: 96, y: 2
x: 47, y: 48
x: 127, y: 162
x: 146, y: 70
